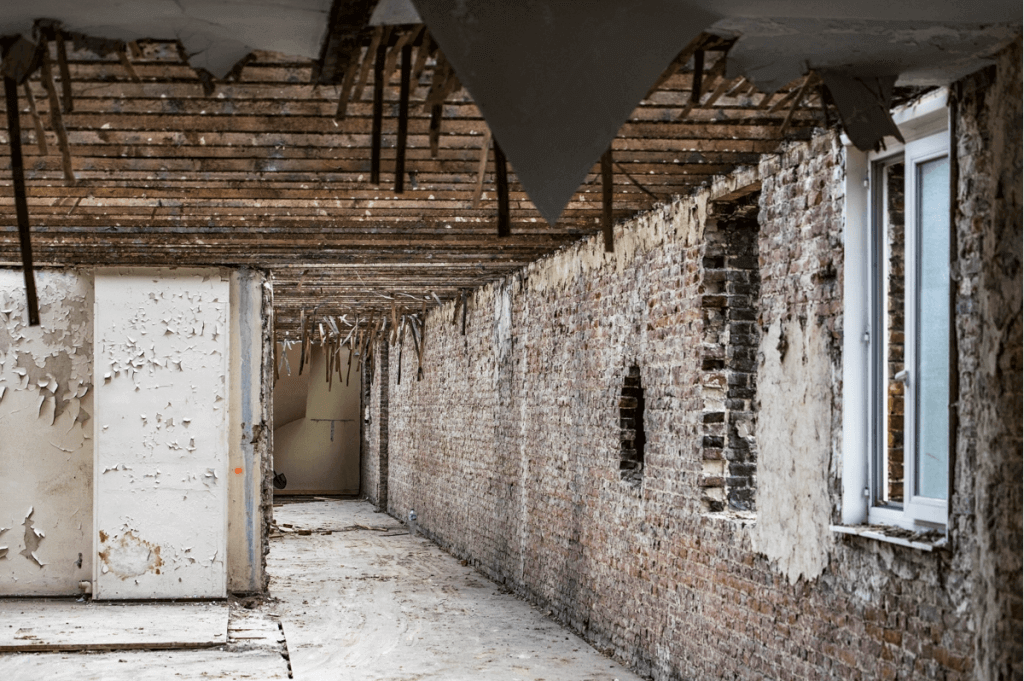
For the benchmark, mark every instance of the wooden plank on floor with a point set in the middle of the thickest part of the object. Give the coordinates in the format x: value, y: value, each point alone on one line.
x: 41, y: 625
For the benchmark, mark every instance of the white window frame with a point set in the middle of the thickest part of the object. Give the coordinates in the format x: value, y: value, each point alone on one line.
x: 924, y: 125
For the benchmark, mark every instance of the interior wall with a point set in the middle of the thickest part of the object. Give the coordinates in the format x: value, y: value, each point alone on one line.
x: 46, y: 432
x: 160, y: 476
x: 46, y: 446
x: 508, y: 449
x: 318, y: 451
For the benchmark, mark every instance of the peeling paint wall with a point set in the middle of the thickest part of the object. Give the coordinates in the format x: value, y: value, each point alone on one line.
x: 161, y: 459
x: 46, y: 447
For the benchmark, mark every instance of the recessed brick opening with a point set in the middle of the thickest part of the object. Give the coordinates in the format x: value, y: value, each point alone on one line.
x: 732, y: 285
x: 631, y: 422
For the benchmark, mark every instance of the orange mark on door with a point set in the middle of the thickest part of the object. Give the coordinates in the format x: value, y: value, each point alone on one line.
x: 238, y: 471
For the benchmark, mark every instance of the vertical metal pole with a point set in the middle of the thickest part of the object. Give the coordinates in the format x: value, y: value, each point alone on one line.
x: 378, y: 111
x: 607, y: 191
x: 501, y: 178
x: 20, y: 203
x: 403, y: 120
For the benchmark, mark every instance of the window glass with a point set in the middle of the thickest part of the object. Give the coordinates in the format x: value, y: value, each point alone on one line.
x: 932, y: 474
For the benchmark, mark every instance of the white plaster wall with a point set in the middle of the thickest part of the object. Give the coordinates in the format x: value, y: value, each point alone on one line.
x: 161, y: 458
x: 303, y: 449
x: 45, y: 452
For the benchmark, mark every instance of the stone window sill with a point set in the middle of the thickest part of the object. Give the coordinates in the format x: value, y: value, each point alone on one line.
x: 922, y: 541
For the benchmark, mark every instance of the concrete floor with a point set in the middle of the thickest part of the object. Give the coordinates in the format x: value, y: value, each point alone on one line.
x: 355, y: 596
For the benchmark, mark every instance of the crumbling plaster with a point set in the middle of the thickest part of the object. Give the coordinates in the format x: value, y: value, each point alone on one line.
x: 793, y: 432
x: 46, y: 446
x: 216, y: 34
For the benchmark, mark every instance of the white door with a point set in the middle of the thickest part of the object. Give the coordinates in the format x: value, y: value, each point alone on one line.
x: 161, y: 447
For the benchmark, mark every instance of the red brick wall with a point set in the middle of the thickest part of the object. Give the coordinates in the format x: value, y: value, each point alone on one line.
x: 509, y: 450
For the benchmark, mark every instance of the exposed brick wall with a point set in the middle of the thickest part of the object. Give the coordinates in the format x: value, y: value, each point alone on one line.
x: 731, y: 287
x: 373, y: 456
x: 988, y: 323
x: 509, y: 448
x: 895, y: 321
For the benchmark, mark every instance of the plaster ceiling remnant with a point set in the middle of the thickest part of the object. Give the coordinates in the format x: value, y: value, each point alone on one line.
x: 925, y: 51
x: 394, y: 12
x: 216, y: 34
x: 863, y: 105
x: 556, y: 81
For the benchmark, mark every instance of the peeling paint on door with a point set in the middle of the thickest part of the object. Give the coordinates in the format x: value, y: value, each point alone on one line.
x: 161, y: 495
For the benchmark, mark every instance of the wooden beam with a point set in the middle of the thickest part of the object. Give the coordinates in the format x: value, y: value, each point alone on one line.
x: 677, y: 63
x: 37, y: 121
x: 346, y: 90
x: 698, y: 75
x: 607, y: 191
x: 381, y: 34
x: 122, y: 55
x: 20, y: 202
x: 406, y: 38
x: 378, y: 112
x: 436, y: 111
x: 403, y: 119
x: 796, y: 102
x: 346, y: 29
x: 485, y: 150
x: 425, y: 48
x: 65, y: 72
x: 56, y: 120
x: 501, y: 179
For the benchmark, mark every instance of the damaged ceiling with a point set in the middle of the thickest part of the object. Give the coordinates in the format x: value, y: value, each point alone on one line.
x: 270, y: 162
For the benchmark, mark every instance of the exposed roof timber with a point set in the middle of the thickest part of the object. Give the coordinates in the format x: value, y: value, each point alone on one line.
x: 530, y: 66
x: 260, y: 174
x: 346, y: 30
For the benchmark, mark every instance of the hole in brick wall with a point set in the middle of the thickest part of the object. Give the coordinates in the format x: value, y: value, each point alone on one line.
x: 631, y: 424
x: 731, y: 290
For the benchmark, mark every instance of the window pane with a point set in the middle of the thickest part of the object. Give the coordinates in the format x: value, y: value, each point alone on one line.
x: 893, y: 321
x: 933, y: 331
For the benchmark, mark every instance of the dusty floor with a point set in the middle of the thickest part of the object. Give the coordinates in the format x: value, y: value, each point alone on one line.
x: 355, y: 596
